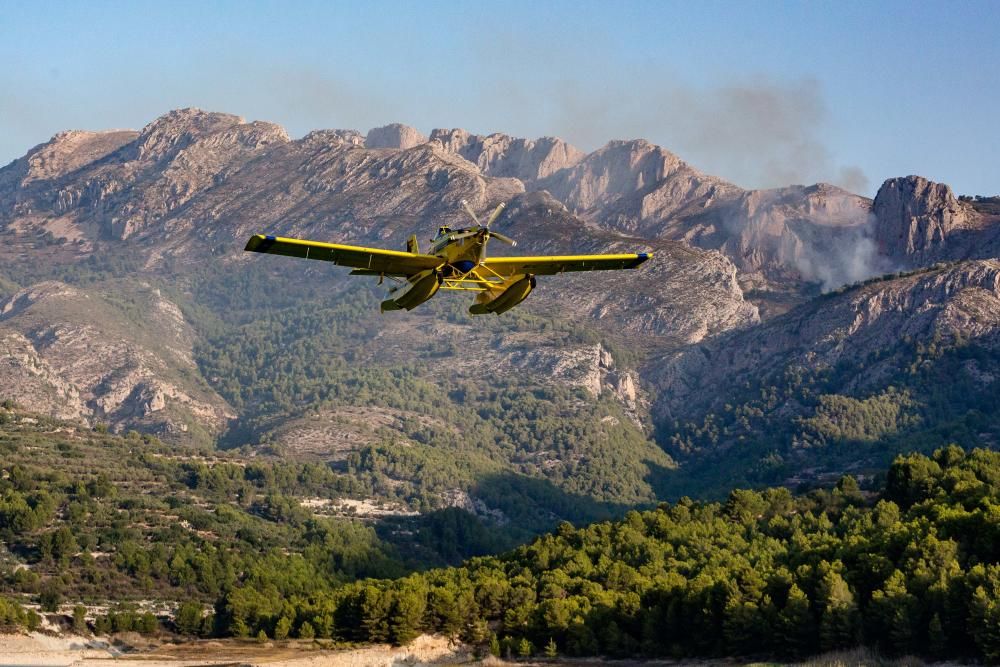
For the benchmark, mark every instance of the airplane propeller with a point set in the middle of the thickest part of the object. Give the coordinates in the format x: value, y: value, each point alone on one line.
x: 503, y: 237
x: 485, y: 229
x: 472, y: 214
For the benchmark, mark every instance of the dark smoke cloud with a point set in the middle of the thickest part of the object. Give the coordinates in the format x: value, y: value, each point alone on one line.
x: 759, y: 134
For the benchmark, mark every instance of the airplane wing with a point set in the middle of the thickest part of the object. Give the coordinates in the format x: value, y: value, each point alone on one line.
x: 547, y: 265
x: 370, y: 261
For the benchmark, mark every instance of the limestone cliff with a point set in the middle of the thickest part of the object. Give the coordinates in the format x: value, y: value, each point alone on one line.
x: 395, y: 135
x: 919, y: 221
x: 505, y: 156
x: 75, y: 353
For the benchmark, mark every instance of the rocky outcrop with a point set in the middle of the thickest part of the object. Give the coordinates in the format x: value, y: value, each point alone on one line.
x: 501, y: 155
x: 32, y: 383
x: 334, y: 138
x: 71, y: 353
x: 591, y: 367
x: 394, y: 136
x: 915, y: 217
x: 646, y: 176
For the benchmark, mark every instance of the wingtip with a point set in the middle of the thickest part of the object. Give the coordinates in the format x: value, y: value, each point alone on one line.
x: 260, y: 243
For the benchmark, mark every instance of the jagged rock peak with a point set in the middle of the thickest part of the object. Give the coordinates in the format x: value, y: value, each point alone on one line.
x: 334, y: 138
x: 395, y: 135
x: 179, y: 128
x: 635, y: 150
x: 68, y: 151
x: 189, y: 121
x: 501, y: 155
x: 626, y: 167
x: 915, y: 215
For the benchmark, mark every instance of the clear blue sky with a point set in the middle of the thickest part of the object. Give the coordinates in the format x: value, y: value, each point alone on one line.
x: 762, y: 93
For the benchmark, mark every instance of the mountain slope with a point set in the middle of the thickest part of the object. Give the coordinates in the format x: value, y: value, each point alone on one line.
x: 899, y: 363
x: 294, y: 357
x: 122, y: 357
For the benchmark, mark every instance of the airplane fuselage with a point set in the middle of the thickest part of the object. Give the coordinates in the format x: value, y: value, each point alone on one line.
x: 462, y: 254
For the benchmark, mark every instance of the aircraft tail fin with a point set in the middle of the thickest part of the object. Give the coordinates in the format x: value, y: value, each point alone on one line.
x: 412, y: 245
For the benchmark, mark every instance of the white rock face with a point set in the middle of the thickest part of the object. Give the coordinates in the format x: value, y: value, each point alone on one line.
x: 501, y: 155
x: 461, y: 499
x: 915, y: 218
x: 67, y: 352
x: 32, y: 383
x: 626, y: 168
x: 394, y: 136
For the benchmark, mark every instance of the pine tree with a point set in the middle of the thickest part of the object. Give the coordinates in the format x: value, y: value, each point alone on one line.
x: 79, y: 619
x: 407, y: 615
x: 282, y: 628
x: 798, y: 627
x: 839, y: 624
x: 893, y: 610
x: 937, y: 640
x: 375, y: 614
x: 551, y: 650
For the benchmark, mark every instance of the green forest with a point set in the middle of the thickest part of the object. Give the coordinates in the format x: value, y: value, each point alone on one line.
x: 770, y: 427
x: 910, y: 567
x: 911, y: 570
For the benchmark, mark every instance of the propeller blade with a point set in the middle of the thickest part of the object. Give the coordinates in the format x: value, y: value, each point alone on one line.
x: 503, y: 237
x: 468, y: 209
x: 464, y: 235
x: 496, y: 214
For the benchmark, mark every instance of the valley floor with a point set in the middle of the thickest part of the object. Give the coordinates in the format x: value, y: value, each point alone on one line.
x: 40, y: 650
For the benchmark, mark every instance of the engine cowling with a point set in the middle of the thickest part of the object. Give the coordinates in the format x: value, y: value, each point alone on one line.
x: 510, y: 297
x: 420, y: 288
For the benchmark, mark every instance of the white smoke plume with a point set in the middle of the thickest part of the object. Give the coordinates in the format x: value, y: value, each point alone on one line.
x: 843, y: 257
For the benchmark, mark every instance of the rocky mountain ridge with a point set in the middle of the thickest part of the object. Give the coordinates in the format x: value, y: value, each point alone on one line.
x: 638, y: 188
x: 172, y: 204
x: 919, y: 222
x: 119, y: 183
x: 193, y: 184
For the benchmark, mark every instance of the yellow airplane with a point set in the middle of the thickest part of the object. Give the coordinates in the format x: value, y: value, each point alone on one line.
x: 457, y: 261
